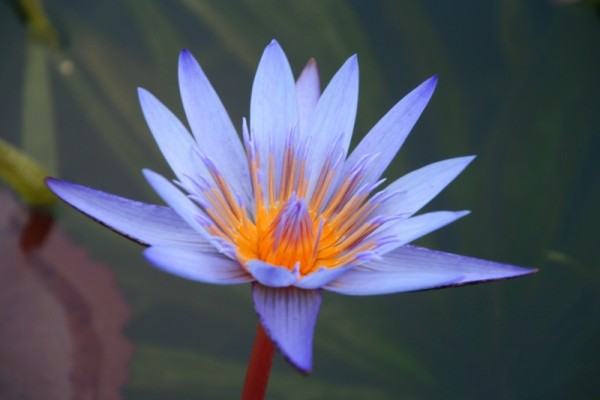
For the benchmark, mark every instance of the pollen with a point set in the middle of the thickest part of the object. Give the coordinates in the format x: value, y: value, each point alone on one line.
x: 286, y: 226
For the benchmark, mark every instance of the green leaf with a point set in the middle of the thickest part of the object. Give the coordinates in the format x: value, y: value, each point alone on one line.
x: 24, y: 175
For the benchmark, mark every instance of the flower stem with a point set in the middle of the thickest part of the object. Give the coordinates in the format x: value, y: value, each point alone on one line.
x: 259, y: 367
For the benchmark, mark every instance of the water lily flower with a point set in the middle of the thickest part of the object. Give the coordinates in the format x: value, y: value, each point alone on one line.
x: 288, y: 208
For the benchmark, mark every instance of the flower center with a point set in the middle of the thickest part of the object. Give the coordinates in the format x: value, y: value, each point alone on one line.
x: 291, y: 235
x: 287, y: 227
x: 290, y: 238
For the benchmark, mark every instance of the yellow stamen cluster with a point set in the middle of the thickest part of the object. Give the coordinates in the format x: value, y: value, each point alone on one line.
x: 288, y: 228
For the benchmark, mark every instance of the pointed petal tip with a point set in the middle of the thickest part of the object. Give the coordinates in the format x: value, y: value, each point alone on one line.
x: 458, y: 163
x: 353, y: 60
x: 462, y: 213
x: 273, y: 52
x: 303, y: 366
x: 56, y: 186
x: 288, y: 316
x: 523, y: 271
x: 185, y: 58
x: 350, y: 67
x: 463, y: 162
x: 143, y: 94
x: 154, y: 179
x: 304, y: 369
x: 148, y: 173
x: 433, y: 81
x: 428, y: 86
x: 274, y: 44
x: 311, y: 67
x: 51, y: 181
x: 425, y: 89
x: 510, y: 272
x: 187, y: 62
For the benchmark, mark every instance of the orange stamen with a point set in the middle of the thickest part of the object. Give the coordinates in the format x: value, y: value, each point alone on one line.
x: 292, y: 230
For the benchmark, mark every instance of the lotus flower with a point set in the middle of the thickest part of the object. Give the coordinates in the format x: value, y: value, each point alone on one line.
x: 288, y: 208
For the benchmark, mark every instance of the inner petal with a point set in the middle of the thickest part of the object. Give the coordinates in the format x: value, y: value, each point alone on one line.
x: 290, y: 238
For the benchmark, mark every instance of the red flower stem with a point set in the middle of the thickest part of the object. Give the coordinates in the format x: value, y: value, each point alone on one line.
x: 259, y: 367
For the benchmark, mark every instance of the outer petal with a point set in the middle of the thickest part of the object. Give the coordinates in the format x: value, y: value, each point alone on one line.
x: 211, y: 126
x: 407, y: 230
x: 145, y: 223
x: 410, y: 268
x: 320, y: 278
x: 208, y: 267
x: 182, y: 205
x: 331, y: 125
x: 416, y: 189
x: 173, y: 139
x: 289, y: 316
x: 308, y: 90
x: 273, y: 106
x: 388, y: 135
x: 270, y: 275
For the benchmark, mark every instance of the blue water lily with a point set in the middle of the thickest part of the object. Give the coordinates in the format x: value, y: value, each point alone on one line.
x: 287, y: 209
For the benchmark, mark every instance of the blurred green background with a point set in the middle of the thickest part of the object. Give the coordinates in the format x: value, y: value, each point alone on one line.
x: 519, y: 87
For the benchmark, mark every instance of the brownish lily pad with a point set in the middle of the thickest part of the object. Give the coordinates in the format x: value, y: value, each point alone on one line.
x: 61, y: 314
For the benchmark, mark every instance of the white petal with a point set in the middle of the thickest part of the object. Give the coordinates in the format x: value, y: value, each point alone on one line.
x: 207, y: 267
x: 145, y: 223
x: 416, y: 189
x: 405, y: 231
x: 211, y: 126
x: 330, y: 127
x: 410, y: 268
x: 182, y: 205
x: 270, y: 275
x: 173, y: 139
x: 308, y: 90
x: 273, y: 106
x: 289, y: 316
x: 321, y: 277
x: 388, y: 135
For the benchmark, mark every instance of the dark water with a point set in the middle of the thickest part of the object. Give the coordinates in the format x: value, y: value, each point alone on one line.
x: 519, y: 87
